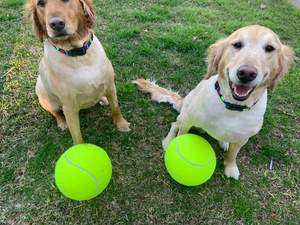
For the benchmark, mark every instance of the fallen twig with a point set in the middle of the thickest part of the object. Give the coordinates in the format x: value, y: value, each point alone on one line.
x: 7, y: 72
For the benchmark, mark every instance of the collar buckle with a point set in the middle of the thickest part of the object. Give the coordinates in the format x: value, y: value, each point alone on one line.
x: 77, y: 52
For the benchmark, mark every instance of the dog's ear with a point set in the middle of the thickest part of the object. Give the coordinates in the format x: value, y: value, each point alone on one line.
x: 89, y: 13
x: 215, y: 53
x: 285, y: 60
x: 32, y: 18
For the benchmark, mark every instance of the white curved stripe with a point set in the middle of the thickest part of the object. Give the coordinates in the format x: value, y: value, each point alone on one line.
x: 85, y: 171
x: 189, y: 161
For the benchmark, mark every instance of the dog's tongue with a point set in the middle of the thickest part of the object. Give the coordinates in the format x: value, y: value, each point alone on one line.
x: 241, y: 90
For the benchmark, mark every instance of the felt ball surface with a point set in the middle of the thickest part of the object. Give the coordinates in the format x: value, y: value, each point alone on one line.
x: 83, y: 172
x: 190, y: 159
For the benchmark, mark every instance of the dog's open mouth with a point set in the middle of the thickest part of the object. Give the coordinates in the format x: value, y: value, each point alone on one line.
x: 240, y: 92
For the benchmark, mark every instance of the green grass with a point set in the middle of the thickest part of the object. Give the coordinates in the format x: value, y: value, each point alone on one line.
x: 148, y: 39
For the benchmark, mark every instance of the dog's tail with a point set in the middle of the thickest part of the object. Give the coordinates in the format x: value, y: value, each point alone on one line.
x: 160, y: 94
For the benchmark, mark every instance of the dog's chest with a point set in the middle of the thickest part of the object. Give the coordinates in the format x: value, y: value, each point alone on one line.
x: 76, y: 80
x: 207, y: 111
x: 84, y: 84
x: 232, y: 129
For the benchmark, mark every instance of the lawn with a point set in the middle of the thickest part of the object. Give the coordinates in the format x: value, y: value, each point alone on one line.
x: 165, y: 40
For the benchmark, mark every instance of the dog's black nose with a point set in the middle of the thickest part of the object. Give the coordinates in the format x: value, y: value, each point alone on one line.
x: 247, y: 73
x: 57, y: 23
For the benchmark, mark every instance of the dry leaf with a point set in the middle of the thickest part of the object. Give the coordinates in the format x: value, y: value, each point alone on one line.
x: 296, y: 58
x: 263, y: 6
x: 7, y: 72
x: 143, y: 32
x: 194, y: 38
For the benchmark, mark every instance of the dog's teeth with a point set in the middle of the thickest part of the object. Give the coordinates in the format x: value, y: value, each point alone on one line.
x: 240, y: 95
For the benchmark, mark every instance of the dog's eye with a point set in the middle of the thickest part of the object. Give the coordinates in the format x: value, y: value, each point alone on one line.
x: 237, y: 45
x: 269, y: 48
x: 65, y: 0
x: 41, y: 3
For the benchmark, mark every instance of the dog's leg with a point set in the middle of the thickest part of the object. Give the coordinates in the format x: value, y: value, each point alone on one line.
x: 181, y: 126
x: 224, y: 145
x: 171, y: 135
x: 184, y: 128
x: 178, y: 128
x: 120, y: 122
x: 103, y: 101
x: 72, y: 116
x: 60, y: 119
x: 51, y: 104
x: 231, y: 169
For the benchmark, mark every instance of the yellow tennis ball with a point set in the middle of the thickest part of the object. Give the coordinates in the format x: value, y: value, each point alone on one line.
x: 190, y: 160
x: 83, y: 172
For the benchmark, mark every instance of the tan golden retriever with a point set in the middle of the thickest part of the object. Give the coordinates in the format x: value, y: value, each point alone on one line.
x: 74, y: 72
x: 230, y: 106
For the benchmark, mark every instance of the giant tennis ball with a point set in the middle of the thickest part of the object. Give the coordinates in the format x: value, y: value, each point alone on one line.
x: 83, y: 172
x: 190, y: 160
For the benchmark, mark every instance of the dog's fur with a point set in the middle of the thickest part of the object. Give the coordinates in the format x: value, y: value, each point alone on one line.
x: 247, y: 62
x: 67, y: 83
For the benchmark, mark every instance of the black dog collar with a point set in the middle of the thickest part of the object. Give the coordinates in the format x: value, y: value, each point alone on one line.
x: 77, y: 51
x: 230, y: 106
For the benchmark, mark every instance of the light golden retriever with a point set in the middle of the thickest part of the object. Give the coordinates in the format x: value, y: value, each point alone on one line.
x: 230, y: 106
x: 74, y: 72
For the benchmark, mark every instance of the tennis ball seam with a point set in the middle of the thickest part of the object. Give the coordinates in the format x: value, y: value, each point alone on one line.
x: 189, y: 161
x: 85, y: 171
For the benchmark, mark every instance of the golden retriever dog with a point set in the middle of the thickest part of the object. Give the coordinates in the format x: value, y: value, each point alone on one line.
x: 230, y: 103
x: 74, y: 72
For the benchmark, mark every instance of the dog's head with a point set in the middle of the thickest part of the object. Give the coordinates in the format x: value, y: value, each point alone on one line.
x: 248, y: 61
x: 61, y: 20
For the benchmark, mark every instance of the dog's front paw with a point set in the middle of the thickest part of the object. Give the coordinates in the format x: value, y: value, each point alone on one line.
x: 103, y: 101
x: 232, y: 171
x: 62, y: 124
x: 224, y: 145
x: 61, y: 120
x: 165, y: 143
x: 124, y: 126
x: 170, y: 136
